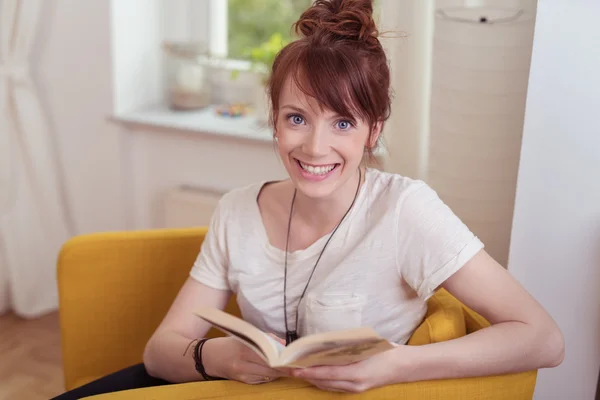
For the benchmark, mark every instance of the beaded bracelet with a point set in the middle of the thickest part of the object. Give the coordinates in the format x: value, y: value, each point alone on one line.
x: 198, y: 361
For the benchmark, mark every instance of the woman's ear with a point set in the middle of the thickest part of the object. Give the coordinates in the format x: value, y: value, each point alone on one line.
x: 374, y: 136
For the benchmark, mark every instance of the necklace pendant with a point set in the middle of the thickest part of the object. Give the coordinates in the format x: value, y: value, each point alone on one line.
x: 290, y: 336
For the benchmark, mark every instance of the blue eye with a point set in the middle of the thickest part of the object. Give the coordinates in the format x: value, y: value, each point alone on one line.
x: 344, y: 124
x: 296, y: 119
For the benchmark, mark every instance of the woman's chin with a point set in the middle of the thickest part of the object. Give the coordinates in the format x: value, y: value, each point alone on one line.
x: 319, y: 191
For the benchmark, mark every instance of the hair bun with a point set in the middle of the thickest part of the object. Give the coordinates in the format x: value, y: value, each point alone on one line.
x: 343, y: 19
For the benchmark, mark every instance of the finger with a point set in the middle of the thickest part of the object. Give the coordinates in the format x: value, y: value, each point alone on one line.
x: 258, y: 365
x: 258, y: 379
x: 251, y: 356
x: 325, y: 373
x: 338, y: 386
x: 277, y: 338
x: 286, y: 371
x: 261, y: 370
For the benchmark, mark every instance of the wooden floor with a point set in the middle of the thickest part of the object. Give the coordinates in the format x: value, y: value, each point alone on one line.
x: 30, y: 359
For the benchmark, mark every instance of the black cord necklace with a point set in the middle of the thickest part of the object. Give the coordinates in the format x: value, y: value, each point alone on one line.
x: 290, y: 336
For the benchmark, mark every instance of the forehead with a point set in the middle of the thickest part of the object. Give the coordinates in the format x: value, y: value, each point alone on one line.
x: 318, y: 90
x: 293, y: 95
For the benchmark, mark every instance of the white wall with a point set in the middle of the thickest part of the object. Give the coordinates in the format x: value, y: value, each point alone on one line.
x: 115, y: 177
x: 162, y: 160
x: 555, y: 249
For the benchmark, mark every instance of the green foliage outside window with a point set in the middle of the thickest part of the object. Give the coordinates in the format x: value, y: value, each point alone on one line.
x: 258, y: 29
x: 252, y: 24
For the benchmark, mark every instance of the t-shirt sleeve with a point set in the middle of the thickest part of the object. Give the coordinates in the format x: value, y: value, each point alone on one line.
x: 212, y: 262
x: 433, y: 243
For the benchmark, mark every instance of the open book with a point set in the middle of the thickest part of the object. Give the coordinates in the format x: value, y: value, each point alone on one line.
x: 328, y: 348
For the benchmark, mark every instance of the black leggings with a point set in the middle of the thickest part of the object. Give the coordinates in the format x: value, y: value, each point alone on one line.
x: 134, y: 377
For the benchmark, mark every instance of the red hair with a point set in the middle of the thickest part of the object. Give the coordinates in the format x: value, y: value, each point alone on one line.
x: 338, y: 60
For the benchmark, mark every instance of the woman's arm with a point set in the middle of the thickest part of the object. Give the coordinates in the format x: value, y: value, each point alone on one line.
x: 522, y: 337
x: 222, y: 357
x: 163, y: 355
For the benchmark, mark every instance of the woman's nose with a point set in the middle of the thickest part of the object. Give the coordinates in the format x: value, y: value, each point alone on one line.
x: 316, y: 144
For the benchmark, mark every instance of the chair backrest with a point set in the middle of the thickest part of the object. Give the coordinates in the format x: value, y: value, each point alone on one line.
x: 114, y: 289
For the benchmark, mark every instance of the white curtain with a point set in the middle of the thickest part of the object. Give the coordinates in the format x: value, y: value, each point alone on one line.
x: 34, y: 221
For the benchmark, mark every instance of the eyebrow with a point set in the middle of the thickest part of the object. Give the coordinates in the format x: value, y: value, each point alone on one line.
x: 293, y: 108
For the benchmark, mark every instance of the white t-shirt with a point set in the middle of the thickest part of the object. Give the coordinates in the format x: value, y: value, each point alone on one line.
x: 395, y: 247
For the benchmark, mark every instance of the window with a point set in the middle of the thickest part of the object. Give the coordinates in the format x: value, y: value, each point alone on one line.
x: 228, y: 29
x: 231, y: 28
x: 252, y: 22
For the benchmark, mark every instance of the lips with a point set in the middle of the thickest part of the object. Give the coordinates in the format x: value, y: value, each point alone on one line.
x: 317, y: 169
x: 321, y: 169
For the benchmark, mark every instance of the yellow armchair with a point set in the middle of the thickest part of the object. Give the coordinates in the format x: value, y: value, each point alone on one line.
x: 114, y: 289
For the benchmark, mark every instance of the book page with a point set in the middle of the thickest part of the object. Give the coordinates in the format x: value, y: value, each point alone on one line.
x: 339, y: 353
x: 280, y: 347
x: 258, y: 341
x: 334, y: 348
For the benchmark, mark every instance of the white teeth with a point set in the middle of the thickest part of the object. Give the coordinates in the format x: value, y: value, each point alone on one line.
x: 317, y: 170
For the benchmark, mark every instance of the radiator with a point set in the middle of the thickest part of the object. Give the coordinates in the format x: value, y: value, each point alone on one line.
x: 187, y: 206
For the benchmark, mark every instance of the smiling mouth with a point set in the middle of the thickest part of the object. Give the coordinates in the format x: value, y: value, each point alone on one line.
x: 317, y: 169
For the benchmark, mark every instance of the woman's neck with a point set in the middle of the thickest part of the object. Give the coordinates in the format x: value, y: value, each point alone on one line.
x: 325, y: 213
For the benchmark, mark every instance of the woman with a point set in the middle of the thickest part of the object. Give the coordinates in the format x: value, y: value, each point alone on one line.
x: 338, y: 245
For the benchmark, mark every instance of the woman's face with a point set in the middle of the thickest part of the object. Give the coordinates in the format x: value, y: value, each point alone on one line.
x: 320, y: 149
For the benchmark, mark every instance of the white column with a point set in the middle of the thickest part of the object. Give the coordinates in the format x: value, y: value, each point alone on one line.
x: 408, y: 46
x: 555, y: 247
x: 478, y: 92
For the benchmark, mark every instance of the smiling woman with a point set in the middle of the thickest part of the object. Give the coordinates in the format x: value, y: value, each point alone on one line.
x: 317, y: 144
x: 323, y: 129
x: 339, y: 245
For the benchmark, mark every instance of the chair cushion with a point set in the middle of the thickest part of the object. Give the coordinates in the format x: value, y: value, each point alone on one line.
x: 445, y: 320
x: 502, y: 387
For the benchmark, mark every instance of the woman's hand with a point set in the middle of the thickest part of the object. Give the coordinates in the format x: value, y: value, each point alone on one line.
x: 228, y: 358
x: 373, y: 372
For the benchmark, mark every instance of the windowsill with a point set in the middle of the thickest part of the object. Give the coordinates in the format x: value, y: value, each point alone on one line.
x: 205, y: 121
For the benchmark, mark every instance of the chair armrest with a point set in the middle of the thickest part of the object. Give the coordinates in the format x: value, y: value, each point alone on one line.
x: 514, y: 387
x: 114, y: 289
